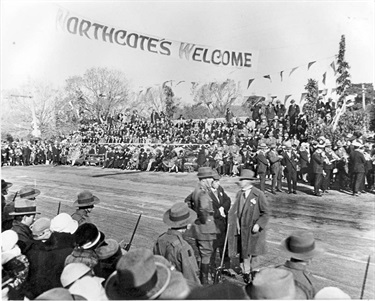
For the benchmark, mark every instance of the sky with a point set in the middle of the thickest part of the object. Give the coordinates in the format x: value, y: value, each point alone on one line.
x: 283, y: 34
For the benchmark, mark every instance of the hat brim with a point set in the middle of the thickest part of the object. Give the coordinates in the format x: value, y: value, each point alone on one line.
x: 318, y: 250
x: 24, y: 213
x: 7, y: 185
x: 113, y: 288
x: 94, y: 202
x: 176, y: 224
x: 34, y: 195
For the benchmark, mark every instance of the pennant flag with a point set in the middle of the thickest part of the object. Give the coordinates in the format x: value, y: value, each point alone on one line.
x: 148, y: 89
x: 303, y: 96
x: 194, y: 85
x: 250, y: 82
x: 324, y: 78
x: 269, y: 77
x: 286, y: 98
x: 310, y: 64
x: 181, y: 81
x: 323, y: 92
x: 211, y: 85
x: 281, y: 75
x: 140, y: 92
x: 294, y: 69
x: 333, y: 67
x: 163, y: 85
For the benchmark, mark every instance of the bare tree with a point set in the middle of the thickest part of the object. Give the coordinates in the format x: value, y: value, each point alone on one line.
x: 98, y: 93
x: 217, y: 96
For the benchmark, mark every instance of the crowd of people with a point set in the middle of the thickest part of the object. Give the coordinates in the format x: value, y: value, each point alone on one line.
x: 69, y: 258
x: 272, y: 142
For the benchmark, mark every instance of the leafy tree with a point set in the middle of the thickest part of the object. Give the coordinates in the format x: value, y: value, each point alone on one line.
x: 309, y: 107
x: 216, y: 96
x: 170, y: 105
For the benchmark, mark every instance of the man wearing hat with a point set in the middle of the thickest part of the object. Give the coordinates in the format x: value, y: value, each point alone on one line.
x: 317, y: 161
x: 262, y: 165
x: 293, y: 112
x: 247, y: 221
x: 357, y: 161
x: 85, y: 203
x: 291, y: 163
x: 301, y: 247
x: 6, y: 219
x: 171, y: 244
x: 24, y: 215
x: 204, y: 229
x: 276, y: 169
x: 280, y: 109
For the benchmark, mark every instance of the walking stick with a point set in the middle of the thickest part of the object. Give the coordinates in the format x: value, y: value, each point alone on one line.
x: 219, y: 270
x: 364, y: 280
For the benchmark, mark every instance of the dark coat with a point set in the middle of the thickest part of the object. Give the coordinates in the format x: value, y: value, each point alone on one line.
x: 258, y: 213
x: 262, y: 163
x: 275, y: 161
x: 25, y: 236
x: 204, y: 227
x: 357, y: 161
x: 317, y: 163
x: 290, y: 163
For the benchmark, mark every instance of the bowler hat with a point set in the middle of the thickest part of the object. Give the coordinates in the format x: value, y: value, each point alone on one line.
x: 86, y: 198
x: 205, y: 173
x: 180, y: 215
x: 28, y: 193
x: 247, y: 174
x: 301, y: 245
x: 24, y: 207
x: 5, y: 185
x: 272, y: 283
x: 138, y: 276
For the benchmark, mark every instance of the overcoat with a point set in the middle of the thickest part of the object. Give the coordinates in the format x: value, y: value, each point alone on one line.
x: 254, y: 211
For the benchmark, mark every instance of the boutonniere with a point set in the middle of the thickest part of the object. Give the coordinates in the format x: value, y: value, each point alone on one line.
x: 253, y: 201
x: 221, y: 193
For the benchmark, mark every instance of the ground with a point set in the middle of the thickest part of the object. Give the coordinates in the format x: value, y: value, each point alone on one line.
x: 344, y: 225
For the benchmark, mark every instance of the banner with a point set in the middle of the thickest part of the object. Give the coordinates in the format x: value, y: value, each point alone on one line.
x: 82, y: 27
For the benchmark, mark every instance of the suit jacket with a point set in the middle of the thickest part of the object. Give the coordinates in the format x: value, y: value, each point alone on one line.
x: 275, y: 161
x: 262, y: 163
x: 241, y: 221
x: 220, y: 199
x: 357, y: 161
x: 317, y: 163
x: 290, y: 163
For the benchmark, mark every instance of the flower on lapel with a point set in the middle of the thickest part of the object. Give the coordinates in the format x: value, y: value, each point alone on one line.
x: 221, y: 193
x: 253, y: 201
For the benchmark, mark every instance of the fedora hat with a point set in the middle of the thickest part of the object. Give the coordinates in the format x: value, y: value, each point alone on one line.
x: 86, y: 198
x: 301, y: 245
x: 24, y: 207
x: 109, y: 248
x: 356, y: 143
x: 28, y: 193
x: 272, y: 283
x: 247, y: 174
x: 180, y: 215
x: 205, y: 173
x: 5, y: 185
x: 138, y: 276
x: 72, y: 272
x: 262, y: 145
x: 63, y: 222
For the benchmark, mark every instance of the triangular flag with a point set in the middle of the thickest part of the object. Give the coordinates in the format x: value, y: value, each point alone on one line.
x: 324, y: 78
x: 250, y: 82
x: 286, y: 98
x: 281, y: 75
x: 269, y: 77
x: 181, y: 81
x: 148, y: 89
x: 194, y: 85
x: 140, y: 92
x: 303, y: 95
x: 294, y: 69
x: 333, y: 67
x: 310, y: 64
x: 165, y: 84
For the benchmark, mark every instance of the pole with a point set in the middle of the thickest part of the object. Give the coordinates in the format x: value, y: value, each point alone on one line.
x: 365, y: 278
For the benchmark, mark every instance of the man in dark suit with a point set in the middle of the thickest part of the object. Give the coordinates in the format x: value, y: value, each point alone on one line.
x: 293, y: 111
x: 262, y: 165
x: 56, y: 150
x: 221, y: 205
x: 357, y: 161
x: 317, y: 162
x: 276, y: 169
x: 154, y: 116
x: 290, y: 162
x: 280, y: 109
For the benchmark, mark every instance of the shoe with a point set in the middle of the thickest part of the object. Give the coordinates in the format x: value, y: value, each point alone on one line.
x: 273, y: 192
x: 355, y: 194
x: 289, y: 192
x: 317, y: 194
x: 294, y: 192
x: 279, y: 190
x: 325, y: 191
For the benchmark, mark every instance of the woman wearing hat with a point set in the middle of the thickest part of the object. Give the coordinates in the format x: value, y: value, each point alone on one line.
x: 171, y: 244
x: 85, y: 203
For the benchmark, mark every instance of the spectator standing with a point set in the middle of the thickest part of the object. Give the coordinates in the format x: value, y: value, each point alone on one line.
x: 275, y: 168
x: 357, y: 161
x: 317, y: 162
x: 85, y: 203
x: 262, y: 165
x: 293, y: 111
x: 290, y: 162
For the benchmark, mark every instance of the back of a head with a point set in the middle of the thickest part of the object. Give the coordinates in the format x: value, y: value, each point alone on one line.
x: 331, y: 293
